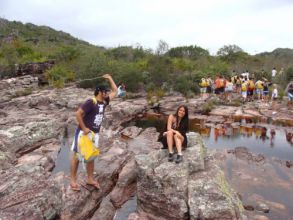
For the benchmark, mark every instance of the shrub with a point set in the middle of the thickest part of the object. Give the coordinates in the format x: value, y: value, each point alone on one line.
x: 57, y: 76
x: 185, y: 84
x: 23, y: 92
x: 208, y: 106
x: 281, y: 94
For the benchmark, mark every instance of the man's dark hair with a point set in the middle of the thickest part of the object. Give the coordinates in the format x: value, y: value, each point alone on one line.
x: 100, y: 89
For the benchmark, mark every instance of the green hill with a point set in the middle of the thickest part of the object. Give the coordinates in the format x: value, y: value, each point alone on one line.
x: 180, y: 68
x: 37, y: 34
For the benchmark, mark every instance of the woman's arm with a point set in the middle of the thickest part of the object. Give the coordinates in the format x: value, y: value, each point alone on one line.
x: 169, y: 123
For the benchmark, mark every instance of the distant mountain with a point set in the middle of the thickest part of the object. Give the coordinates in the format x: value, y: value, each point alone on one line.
x: 37, y: 34
x: 279, y: 53
x: 279, y: 58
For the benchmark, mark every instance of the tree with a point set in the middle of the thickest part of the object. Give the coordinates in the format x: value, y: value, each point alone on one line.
x: 229, y: 50
x: 232, y: 53
x: 162, y: 48
x: 192, y: 52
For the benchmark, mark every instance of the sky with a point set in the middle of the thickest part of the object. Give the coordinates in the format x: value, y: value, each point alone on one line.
x: 254, y: 25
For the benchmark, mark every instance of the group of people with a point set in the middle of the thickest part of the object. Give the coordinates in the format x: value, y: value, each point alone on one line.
x: 248, y: 88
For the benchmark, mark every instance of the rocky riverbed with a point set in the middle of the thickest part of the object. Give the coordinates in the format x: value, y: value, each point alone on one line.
x: 35, y: 121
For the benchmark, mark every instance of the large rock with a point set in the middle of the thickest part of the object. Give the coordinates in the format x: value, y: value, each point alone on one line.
x: 27, y: 192
x: 36, y: 69
x: 188, y: 190
x: 126, y: 185
x: 21, y: 139
x: 210, y: 196
x: 145, y: 142
x: 106, y: 210
x: 14, y: 87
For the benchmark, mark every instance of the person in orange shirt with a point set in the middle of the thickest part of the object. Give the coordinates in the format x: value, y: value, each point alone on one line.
x: 218, y: 85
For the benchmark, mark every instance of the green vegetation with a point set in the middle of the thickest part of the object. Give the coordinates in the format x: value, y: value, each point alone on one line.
x: 208, y: 106
x: 23, y: 92
x: 165, y: 69
x: 58, y: 75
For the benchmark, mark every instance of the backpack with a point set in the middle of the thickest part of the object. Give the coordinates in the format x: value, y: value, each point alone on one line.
x: 244, y: 87
x: 259, y: 85
x: 221, y: 83
x: 251, y: 85
x: 86, y: 149
x: 203, y: 83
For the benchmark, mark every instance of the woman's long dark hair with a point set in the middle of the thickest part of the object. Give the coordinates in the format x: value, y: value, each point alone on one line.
x: 183, y: 126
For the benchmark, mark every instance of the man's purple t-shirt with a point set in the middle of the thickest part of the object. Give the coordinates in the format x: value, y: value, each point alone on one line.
x: 94, y: 114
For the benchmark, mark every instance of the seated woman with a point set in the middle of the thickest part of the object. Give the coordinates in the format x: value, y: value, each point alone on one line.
x: 177, y: 127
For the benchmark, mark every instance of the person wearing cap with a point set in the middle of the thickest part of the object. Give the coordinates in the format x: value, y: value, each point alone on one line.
x: 89, y: 117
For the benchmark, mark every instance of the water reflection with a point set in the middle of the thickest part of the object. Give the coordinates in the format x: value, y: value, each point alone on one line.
x: 227, y: 131
x: 289, y: 136
x: 270, y: 140
x: 271, y: 184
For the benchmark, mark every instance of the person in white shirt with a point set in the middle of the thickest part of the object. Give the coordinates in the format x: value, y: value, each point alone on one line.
x: 228, y: 90
x: 274, y: 98
x: 275, y: 92
x: 274, y: 72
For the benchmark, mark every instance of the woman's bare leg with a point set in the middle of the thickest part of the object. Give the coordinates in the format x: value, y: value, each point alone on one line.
x: 178, y: 141
x: 170, y: 141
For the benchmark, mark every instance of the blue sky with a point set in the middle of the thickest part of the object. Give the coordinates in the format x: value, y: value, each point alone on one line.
x: 254, y: 25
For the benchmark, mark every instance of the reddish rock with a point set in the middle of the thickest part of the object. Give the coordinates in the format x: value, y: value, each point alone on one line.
x: 126, y: 185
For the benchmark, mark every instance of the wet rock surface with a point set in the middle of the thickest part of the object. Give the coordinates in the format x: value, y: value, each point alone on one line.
x: 264, y: 185
x: 34, y: 121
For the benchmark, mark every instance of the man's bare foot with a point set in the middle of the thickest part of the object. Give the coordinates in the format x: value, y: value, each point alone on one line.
x: 94, y: 184
x: 74, y: 187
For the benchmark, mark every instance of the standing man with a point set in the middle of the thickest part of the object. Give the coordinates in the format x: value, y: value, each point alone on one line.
x: 89, y: 117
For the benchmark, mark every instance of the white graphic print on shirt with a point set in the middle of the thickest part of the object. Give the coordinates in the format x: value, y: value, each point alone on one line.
x: 99, y: 117
x: 101, y: 108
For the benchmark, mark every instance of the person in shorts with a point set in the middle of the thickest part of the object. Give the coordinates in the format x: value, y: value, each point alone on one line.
x: 265, y: 91
x: 89, y: 117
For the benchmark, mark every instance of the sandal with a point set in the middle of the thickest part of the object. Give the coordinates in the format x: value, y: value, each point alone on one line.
x: 75, y: 187
x: 96, y: 185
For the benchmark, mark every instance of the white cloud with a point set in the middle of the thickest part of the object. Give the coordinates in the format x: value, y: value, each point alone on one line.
x: 254, y: 25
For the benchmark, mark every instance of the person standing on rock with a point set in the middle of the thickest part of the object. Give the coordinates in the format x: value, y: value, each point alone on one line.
x: 89, y: 117
x: 177, y: 127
